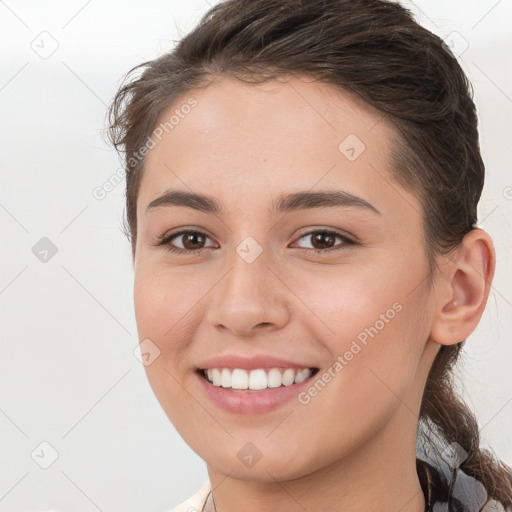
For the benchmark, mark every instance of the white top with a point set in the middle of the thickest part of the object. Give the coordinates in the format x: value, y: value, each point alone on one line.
x: 196, y: 502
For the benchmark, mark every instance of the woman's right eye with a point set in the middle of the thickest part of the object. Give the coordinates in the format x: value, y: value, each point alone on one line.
x: 188, y: 240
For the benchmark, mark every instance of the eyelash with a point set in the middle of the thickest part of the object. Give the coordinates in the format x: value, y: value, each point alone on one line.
x: 165, y: 240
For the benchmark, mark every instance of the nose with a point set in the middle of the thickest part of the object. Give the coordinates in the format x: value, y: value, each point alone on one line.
x: 249, y: 298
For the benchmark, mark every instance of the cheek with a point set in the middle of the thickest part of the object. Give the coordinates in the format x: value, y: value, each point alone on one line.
x: 375, y: 330
x: 165, y: 302
x: 160, y: 311
x: 370, y: 382
x: 358, y: 302
x: 169, y: 305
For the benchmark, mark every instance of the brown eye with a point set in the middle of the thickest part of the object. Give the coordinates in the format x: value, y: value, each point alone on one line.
x: 191, y: 242
x: 324, y: 241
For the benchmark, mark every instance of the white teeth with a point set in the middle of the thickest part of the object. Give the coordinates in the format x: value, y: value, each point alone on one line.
x: 274, y: 378
x: 216, y: 377
x: 256, y: 379
x: 226, y: 378
x: 239, y: 380
x: 288, y: 377
x: 302, y: 375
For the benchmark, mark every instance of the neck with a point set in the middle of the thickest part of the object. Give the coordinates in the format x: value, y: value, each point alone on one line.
x: 381, y: 475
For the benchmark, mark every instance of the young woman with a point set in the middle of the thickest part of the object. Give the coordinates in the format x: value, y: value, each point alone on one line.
x: 302, y: 189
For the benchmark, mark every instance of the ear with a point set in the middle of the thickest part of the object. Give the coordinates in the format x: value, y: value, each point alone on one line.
x: 463, y: 288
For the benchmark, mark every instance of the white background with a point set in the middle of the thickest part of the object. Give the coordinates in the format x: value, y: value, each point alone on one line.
x: 68, y: 373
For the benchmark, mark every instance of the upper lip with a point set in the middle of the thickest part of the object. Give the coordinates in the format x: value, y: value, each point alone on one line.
x: 250, y: 363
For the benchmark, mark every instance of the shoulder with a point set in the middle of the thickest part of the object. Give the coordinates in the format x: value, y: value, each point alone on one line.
x: 196, y: 502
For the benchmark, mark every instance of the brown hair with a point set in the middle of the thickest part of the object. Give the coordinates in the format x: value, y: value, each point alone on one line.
x: 375, y: 49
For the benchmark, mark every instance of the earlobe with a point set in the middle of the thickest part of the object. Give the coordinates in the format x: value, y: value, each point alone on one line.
x: 464, y: 289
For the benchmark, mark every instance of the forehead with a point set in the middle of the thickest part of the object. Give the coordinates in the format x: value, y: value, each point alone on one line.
x: 278, y: 135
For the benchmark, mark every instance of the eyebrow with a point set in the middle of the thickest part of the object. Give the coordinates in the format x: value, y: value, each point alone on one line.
x: 284, y: 203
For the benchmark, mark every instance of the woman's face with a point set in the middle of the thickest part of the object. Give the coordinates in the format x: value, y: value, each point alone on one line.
x: 356, y: 305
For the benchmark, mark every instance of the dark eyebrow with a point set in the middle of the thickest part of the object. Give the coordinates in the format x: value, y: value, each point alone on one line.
x: 321, y: 199
x: 284, y: 203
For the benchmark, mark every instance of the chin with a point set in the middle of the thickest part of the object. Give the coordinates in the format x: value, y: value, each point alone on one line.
x: 267, y: 465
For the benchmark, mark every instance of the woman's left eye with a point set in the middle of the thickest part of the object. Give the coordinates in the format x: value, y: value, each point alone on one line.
x: 320, y: 238
x: 325, y: 237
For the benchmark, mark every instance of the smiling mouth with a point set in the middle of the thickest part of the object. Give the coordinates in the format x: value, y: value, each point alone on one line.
x: 258, y: 379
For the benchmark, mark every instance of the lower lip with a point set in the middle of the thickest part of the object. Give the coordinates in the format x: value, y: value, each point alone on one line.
x: 255, y: 402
